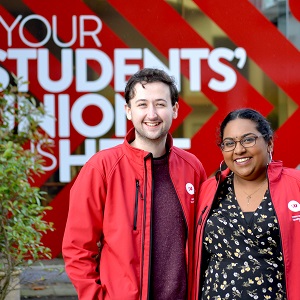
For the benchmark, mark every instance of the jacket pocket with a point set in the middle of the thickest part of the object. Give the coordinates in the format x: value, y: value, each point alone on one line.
x: 136, y: 203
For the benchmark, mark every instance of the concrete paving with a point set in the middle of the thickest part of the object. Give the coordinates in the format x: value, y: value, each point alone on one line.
x: 47, y: 280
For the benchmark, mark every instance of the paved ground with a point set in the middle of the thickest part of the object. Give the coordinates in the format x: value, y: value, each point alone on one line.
x: 50, y: 298
x: 47, y: 280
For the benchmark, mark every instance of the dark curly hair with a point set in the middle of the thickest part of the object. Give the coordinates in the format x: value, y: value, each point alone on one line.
x: 147, y: 75
x: 262, y: 124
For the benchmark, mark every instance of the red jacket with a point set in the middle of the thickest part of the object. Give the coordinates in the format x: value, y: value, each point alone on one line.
x: 110, y: 202
x: 284, y: 185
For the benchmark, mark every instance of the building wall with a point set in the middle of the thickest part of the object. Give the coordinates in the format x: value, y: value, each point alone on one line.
x: 77, y: 55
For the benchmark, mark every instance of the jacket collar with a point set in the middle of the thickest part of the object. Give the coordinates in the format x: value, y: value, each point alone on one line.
x: 274, y: 170
x: 223, y: 172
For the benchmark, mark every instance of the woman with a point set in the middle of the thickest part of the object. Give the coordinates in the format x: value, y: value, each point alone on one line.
x: 248, y: 218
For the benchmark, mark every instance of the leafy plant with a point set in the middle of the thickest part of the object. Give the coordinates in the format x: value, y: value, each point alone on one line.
x: 21, y: 209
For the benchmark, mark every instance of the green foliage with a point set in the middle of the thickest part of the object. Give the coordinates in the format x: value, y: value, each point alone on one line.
x: 21, y: 209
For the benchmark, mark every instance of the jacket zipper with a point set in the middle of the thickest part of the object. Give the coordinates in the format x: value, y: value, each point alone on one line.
x: 144, y: 222
x: 205, y: 212
x: 218, y: 179
x: 150, y: 254
x: 201, y: 216
x: 136, y: 205
x: 280, y: 233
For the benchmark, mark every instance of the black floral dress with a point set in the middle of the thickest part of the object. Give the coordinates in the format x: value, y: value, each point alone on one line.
x: 242, y: 251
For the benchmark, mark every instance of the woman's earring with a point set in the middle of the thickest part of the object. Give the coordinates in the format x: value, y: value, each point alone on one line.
x: 270, y: 155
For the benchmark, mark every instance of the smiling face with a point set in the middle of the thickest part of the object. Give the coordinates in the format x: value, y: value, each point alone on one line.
x: 151, y: 113
x: 247, y: 163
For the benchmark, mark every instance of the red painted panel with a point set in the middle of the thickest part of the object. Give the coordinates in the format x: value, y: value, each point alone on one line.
x: 242, y: 22
x: 295, y: 8
x: 276, y: 56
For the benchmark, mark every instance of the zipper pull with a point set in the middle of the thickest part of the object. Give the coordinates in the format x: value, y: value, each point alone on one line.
x: 201, y: 216
x: 138, y: 189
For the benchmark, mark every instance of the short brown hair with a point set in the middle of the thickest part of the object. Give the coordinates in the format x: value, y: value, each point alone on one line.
x: 147, y: 75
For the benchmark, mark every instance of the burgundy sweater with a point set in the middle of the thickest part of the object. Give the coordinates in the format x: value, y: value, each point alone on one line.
x: 169, y: 234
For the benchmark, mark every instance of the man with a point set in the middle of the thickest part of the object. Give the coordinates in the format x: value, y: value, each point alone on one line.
x: 136, y: 202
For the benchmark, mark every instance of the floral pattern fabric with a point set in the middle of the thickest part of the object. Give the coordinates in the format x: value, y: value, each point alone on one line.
x: 242, y: 251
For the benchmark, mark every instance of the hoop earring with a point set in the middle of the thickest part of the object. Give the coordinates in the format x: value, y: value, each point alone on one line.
x: 270, y: 155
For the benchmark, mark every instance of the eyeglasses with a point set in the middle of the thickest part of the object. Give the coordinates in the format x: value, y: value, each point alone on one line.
x: 247, y: 142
